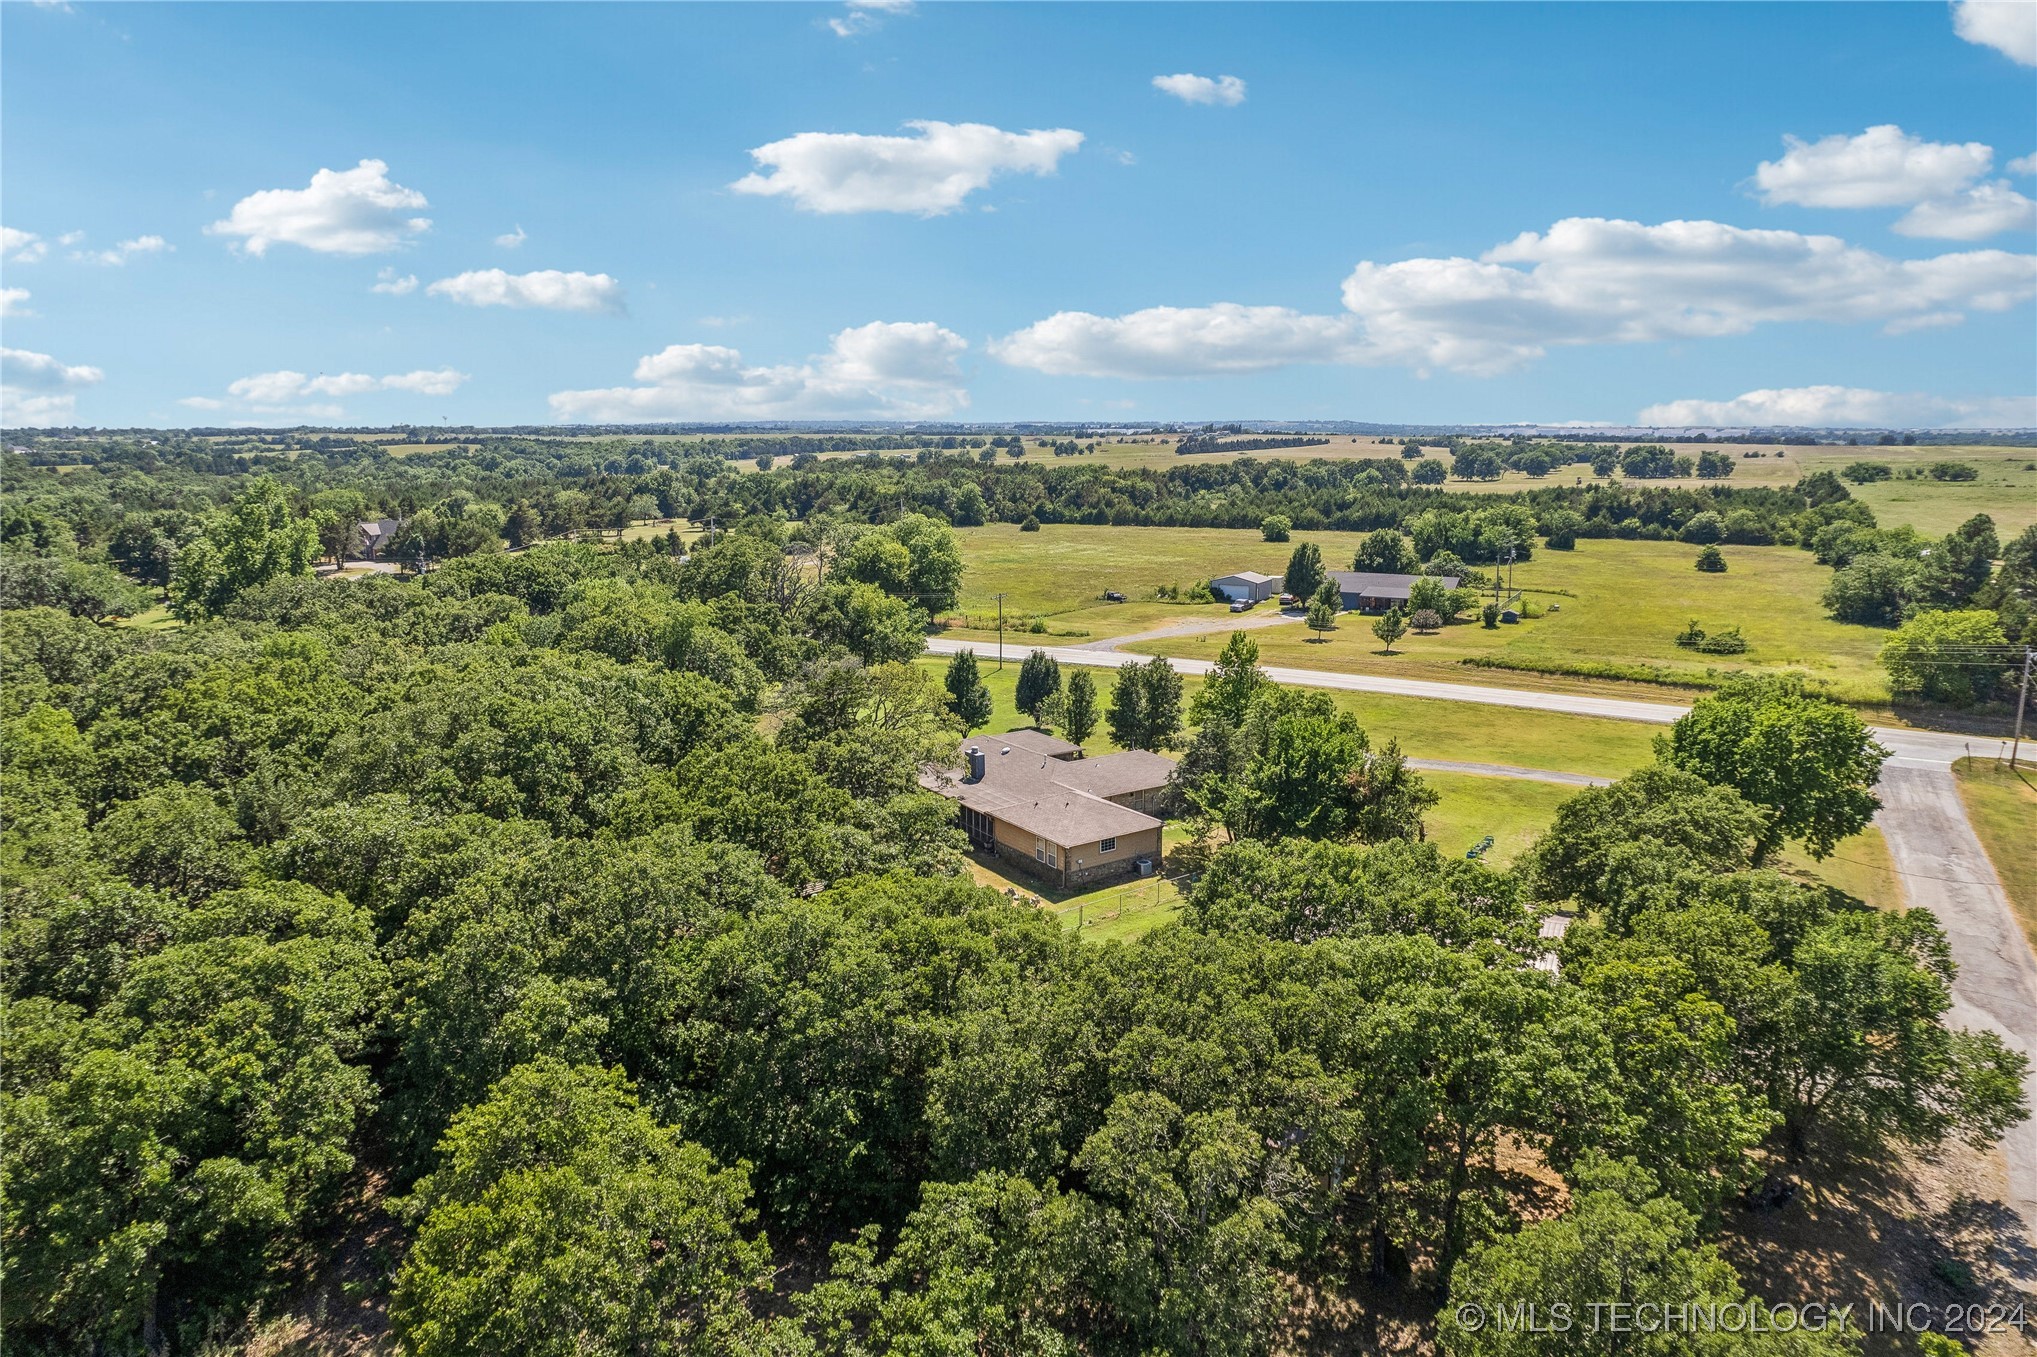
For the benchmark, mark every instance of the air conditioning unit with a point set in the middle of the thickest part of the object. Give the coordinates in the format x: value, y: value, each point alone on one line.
x: 1145, y: 866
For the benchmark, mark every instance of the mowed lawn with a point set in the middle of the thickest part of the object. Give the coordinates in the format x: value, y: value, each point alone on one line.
x: 1460, y: 732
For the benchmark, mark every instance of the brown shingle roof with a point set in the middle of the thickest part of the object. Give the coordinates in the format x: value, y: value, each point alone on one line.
x: 1060, y: 801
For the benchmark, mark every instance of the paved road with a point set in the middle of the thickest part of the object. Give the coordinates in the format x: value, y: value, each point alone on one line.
x: 1940, y: 860
x: 1944, y: 869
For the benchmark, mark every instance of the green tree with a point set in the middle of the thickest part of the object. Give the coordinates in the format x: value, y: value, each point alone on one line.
x: 968, y: 698
x: 1078, y: 713
x: 1322, y: 618
x: 1618, y: 1244
x: 1385, y: 552
x: 1039, y: 685
x: 1276, y: 527
x: 1390, y: 627
x: 1711, y: 560
x: 1873, y: 589
x: 1805, y: 759
x: 255, y: 539
x: 1304, y: 571
x: 1609, y: 846
x: 865, y: 621
x: 1145, y: 706
x: 1231, y: 685
x: 1952, y: 657
x: 564, y: 1219
x: 1430, y: 471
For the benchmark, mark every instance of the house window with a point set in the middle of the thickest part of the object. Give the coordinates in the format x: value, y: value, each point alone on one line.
x: 1107, y: 846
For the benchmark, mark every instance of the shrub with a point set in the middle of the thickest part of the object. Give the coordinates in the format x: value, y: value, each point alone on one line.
x: 1704, y: 529
x: 1864, y: 473
x: 1690, y: 637
x: 1427, y: 620
x: 1727, y: 642
x: 1489, y: 616
x: 1276, y: 527
x: 1711, y: 560
x: 1030, y: 525
x: 1952, y: 471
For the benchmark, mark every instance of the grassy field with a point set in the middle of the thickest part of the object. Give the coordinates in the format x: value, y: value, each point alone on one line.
x: 1614, y: 602
x: 2003, y: 806
x: 2006, y: 488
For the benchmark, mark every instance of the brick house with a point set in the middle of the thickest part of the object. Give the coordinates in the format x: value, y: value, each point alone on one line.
x: 1028, y: 798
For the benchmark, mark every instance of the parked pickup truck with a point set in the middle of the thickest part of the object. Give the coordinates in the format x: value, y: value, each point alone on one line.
x: 1240, y: 605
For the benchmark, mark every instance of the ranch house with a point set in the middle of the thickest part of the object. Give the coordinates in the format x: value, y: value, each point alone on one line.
x: 1366, y: 591
x: 1031, y: 799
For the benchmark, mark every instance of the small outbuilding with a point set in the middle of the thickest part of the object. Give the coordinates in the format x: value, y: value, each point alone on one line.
x: 1367, y: 591
x: 1247, y: 586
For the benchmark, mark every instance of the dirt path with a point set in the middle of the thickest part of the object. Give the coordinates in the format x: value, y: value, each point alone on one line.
x: 1509, y: 770
x: 1251, y: 621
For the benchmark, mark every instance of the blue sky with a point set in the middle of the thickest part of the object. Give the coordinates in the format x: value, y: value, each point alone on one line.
x: 1422, y: 213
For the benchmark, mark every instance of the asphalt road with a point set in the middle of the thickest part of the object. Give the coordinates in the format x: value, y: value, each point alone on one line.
x: 1938, y: 857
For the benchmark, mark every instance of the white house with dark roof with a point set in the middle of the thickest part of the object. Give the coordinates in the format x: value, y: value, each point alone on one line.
x: 1030, y: 798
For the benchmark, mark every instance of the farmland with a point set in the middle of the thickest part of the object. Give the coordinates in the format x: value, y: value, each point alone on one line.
x: 1609, y: 602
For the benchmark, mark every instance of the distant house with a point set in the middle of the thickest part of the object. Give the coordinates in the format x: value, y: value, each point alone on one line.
x: 1247, y: 586
x: 377, y: 533
x: 1027, y: 798
x: 1367, y: 591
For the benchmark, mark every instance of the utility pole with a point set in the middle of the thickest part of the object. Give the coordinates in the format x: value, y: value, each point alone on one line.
x: 1000, y: 631
x: 2022, y: 700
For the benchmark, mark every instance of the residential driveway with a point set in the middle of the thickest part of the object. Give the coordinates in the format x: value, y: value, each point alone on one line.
x: 1944, y: 869
x: 1247, y: 621
x: 1941, y: 863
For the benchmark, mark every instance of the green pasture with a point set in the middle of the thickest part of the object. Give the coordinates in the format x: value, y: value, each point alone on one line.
x: 1607, y: 602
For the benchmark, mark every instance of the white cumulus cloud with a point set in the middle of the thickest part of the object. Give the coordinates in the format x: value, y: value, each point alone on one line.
x: 2008, y: 26
x: 1887, y: 167
x: 928, y: 174
x: 36, y: 389
x: 896, y: 370
x: 1882, y: 167
x: 1976, y: 214
x: 1839, y: 407
x: 14, y: 302
x: 547, y: 289
x: 1226, y: 90
x: 1586, y: 280
x: 22, y: 247
x: 1178, y: 341
x: 2026, y: 164
x: 865, y: 15
x: 278, y: 393
x: 356, y: 211
x: 124, y: 251
x: 390, y: 283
